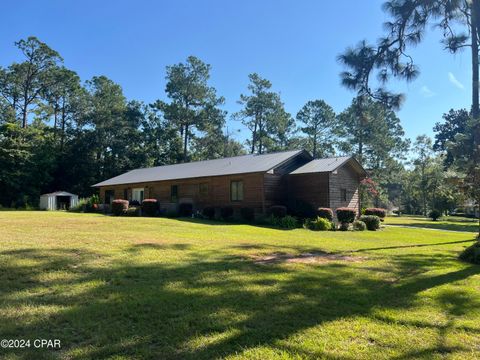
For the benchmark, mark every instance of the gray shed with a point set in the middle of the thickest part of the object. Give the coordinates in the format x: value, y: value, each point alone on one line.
x: 58, y: 200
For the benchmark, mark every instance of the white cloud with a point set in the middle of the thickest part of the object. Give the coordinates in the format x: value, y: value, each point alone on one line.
x: 426, y: 92
x: 455, y: 82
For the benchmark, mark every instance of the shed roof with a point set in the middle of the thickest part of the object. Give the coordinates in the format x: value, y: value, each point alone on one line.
x: 59, y: 193
x: 328, y: 165
x: 227, y: 166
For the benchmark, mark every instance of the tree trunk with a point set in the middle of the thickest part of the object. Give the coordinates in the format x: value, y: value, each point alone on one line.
x: 315, y: 144
x: 475, y: 27
x: 24, y: 114
x: 254, y: 135
x: 185, y: 144
x: 62, y: 136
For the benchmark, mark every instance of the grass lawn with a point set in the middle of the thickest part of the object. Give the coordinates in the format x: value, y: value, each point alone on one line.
x: 445, y: 223
x: 124, y: 288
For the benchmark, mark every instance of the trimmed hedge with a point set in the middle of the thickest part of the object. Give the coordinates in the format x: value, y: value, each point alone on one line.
x: 346, y: 215
x: 371, y: 221
x: 119, y: 207
x: 185, y: 209
x: 325, y: 213
x: 226, y: 213
x: 359, y: 225
x: 209, y: 212
x: 278, y: 211
x: 132, y: 211
x: 380, y: 212
x: 344, y: 226
x: 150, y: 207
x: 247, y: 214
x: 286, y: 222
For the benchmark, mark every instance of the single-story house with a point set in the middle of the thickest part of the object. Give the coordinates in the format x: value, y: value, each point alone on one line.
x: 58, y: 200
x: 255, y: 181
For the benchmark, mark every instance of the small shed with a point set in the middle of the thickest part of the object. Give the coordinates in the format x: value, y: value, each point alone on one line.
x: 58, y: 200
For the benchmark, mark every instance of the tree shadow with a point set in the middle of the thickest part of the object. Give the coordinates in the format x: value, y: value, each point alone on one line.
x: 206, y: 307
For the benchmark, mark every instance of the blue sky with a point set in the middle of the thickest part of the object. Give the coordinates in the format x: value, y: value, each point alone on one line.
x: 294, y: 44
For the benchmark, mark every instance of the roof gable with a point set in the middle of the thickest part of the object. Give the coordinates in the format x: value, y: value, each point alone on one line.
x: 226, y: 166
x: 329, y: 165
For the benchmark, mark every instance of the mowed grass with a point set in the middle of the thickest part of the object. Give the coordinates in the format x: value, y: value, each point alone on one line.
x: 454, y: 223
x: 151, y: 288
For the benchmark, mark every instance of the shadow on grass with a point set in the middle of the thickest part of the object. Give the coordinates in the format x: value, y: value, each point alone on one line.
x: 464, y: 225
x: 204, y: 308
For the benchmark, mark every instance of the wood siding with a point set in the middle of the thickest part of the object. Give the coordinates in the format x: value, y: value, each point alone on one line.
x: 218, y: 193
x: 348, y: 179
x: 311, y: 188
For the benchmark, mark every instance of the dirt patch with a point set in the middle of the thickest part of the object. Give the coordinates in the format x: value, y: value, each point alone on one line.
x: 305, y: 258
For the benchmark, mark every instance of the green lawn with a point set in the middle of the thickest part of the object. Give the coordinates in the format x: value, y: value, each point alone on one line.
x: 124, y: 288
x: 445, y: 223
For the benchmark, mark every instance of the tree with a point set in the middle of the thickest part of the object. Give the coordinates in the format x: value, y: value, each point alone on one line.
x: 423, y: 148
x: 319, y: 122
x: 455, y: 122
x: 460, y: 23
x: 21, y: 84
x: 264, y: 115
x: 194, y: 104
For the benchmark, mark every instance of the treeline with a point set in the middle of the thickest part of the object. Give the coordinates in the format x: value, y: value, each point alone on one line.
x: 58, y: 132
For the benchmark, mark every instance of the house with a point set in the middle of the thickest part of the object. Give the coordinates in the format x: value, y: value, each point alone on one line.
x: 255, y: 181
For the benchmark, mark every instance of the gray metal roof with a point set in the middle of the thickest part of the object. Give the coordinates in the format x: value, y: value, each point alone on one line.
x: 226, y: 166
x: 59, y: 193
x: 322, y: 165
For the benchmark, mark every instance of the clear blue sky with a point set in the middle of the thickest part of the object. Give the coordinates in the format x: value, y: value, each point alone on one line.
x: 292, y: 43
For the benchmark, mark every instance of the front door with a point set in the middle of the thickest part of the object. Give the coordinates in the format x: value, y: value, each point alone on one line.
x: 137, y: 195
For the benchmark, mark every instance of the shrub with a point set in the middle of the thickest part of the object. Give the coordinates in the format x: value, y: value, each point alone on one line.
x: 209, y: 212
x: 278, y: 211
x: 301, y: 209
x: 359, y: 225
x: 434, y: 215
x: 371, y: 221
x: 150, y: 207
x: 346, y: 215
x: 134, y: 203
x: 319, y: 224
x: 325, y: 213
x: 381, y: 213
x: 344, y: 226
x: 247, y: 214
x: 119, y: 207
x: 226, y: 213
x: 133, y: 211
x: 286, y: 222
x: 185, y: 209
x: 471, y: 254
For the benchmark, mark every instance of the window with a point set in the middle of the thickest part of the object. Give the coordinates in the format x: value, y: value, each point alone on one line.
x: 343, y: 194
x: 236, y: 190
x: 109, y: 196
x: 137, y: 195
x: 174, y: 193
x: 203, y: 189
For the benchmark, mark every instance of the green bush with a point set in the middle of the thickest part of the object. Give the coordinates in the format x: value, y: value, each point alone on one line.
x: 344, y: 226
x: 371, y: 221
x: 185, y: 209
x: 286, y: 222
x: 471, y: 254
x: 359, y: 225
x: 119, y: 207
x: 209, y: 212
x: 381, y: 213
x: 319, y: 224
x: 434, y: 215
x: 325, y: 213
x: 279, y: 211
x: 226, y: 213
x: 150, y: 207
x: 247, y: 214
x: 346, y: 215
x: 301, y: 209
x: 133, y: 211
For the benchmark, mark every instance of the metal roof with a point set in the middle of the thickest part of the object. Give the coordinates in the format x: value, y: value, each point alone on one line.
x: 59, y: 193
x: 322, y: 165
x: 226, y: 166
